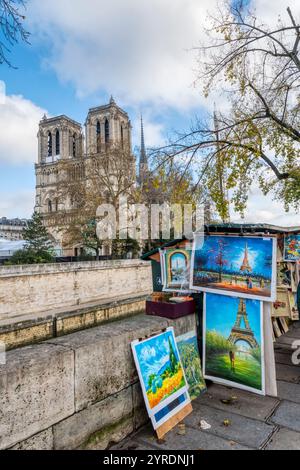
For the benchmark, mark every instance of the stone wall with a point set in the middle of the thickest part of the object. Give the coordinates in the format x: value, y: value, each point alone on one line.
x: 77, y: 391
x: 32, y: 290
x: 35, y: 330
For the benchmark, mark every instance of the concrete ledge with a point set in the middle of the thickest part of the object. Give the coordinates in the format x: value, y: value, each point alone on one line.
x: 36, y: 290
x: 77, y: 391
x: 59, y: 323
x: 52, y: 268
x: 37, y: 390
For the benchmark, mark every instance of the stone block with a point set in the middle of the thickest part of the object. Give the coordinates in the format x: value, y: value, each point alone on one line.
x: 104, y: 363
x: 244, y: 403
x: 41, y: 441
x: 289, y: 391
x: 284, y: 439
x: 36, y: 391
x: 246, y: 431
x: 184, y: 324
x: 192, y: 440
x: 283, y: 358
x: 97, y: 425
x: 140, y: 414
x: 287, y: 415
x: 288, y: 373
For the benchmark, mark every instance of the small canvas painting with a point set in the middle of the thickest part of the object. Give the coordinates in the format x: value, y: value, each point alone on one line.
x: 233, y: 342
x: 177, y: 269
x: 232, y: 265
x: 292, y: 247
x: 160, y: 370
x: 190, y: 358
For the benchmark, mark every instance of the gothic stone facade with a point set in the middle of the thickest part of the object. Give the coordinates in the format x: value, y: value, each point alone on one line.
x: 61, y: 138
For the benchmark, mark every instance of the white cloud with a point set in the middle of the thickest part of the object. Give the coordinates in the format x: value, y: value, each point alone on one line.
x: 154, y: 132
x: 19, y: 120
x: 270, y: 13
x: 17, y: 203
x: 262, y: 209
x: 139, y: 51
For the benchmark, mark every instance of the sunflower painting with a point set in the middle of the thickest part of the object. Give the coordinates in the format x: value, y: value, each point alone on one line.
x: 160, y: 370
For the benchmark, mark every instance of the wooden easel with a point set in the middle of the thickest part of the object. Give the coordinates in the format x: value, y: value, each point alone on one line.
x: 173, y: 421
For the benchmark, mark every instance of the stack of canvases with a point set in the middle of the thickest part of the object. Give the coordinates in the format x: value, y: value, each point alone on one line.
x: 285, y: 309
x: 238, y: 277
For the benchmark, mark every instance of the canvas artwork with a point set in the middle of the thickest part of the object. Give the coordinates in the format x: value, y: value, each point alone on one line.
x: 281, y: 306
x: 233, y: 342
x: 176, y: 266
x: 190, y: 358
x: 292, y: 247
x: 161, y: 374
x: 232, y: 265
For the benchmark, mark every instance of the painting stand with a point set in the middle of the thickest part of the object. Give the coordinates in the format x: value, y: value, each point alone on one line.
x: 175, y: 407
x: 173, y: 421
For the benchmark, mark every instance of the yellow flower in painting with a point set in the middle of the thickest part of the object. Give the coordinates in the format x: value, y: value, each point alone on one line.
x: 170, y: 385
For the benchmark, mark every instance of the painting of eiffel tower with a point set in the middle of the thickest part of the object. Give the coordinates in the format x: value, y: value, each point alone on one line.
x: 238, y: 333
x: 242, y: 266
x: 233, y: 342
x: 246, y: 265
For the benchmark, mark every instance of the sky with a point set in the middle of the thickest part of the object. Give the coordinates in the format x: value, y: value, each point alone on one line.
x: 260, y: 252
x: 82, y: 52
x: 221, y: 316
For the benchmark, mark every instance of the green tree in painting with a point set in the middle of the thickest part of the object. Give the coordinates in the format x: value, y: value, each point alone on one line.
x: 173, y: 360
x: 151, y: 379
x: 217, y: 344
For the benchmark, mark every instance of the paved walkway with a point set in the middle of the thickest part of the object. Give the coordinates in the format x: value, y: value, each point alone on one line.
x: 253, y: 422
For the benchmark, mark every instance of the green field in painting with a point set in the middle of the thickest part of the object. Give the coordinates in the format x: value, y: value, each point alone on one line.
x: 247, y: 369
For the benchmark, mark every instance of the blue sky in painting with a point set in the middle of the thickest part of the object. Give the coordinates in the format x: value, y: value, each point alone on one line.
x: 259, y: 254
x: 178, y: 261
x: 154, y: 354
x: 221, y: 313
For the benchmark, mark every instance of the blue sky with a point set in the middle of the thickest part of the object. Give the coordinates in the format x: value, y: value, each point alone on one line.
x: 221, y: 314
x: 81, y: 53
x: 154, y: 354
x: 259, y: 254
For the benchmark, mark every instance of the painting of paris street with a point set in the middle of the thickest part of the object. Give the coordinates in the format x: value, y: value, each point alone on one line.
x: 239, y: 266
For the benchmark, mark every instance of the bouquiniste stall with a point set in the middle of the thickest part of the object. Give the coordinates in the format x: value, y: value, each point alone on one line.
x: 248, y: 280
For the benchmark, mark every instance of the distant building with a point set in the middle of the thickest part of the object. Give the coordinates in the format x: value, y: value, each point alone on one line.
x: 12, y: 229
x: 8, y: 248
x: 107, y: 130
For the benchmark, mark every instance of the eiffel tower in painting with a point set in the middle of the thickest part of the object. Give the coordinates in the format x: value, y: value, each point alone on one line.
x: 246, y: 265
x: 242, y: 334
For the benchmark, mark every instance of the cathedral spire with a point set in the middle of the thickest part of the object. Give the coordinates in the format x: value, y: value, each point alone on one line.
x: 143, y: 155
x: 143, y: 148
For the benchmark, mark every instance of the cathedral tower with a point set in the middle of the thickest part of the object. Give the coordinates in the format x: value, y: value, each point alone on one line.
x: 107, y: 126
x: 60, y: 139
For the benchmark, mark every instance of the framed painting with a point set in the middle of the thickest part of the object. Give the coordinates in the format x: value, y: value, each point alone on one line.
x: 176, y: 268
x: 237, y: 266
x: 161, y: 375
x: 189, y: 353
x: 292, y: 247
x: 162, y: 267
x: 233, y: 350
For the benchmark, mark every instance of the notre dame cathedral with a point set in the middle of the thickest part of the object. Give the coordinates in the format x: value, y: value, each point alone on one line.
x: 62, y: 139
